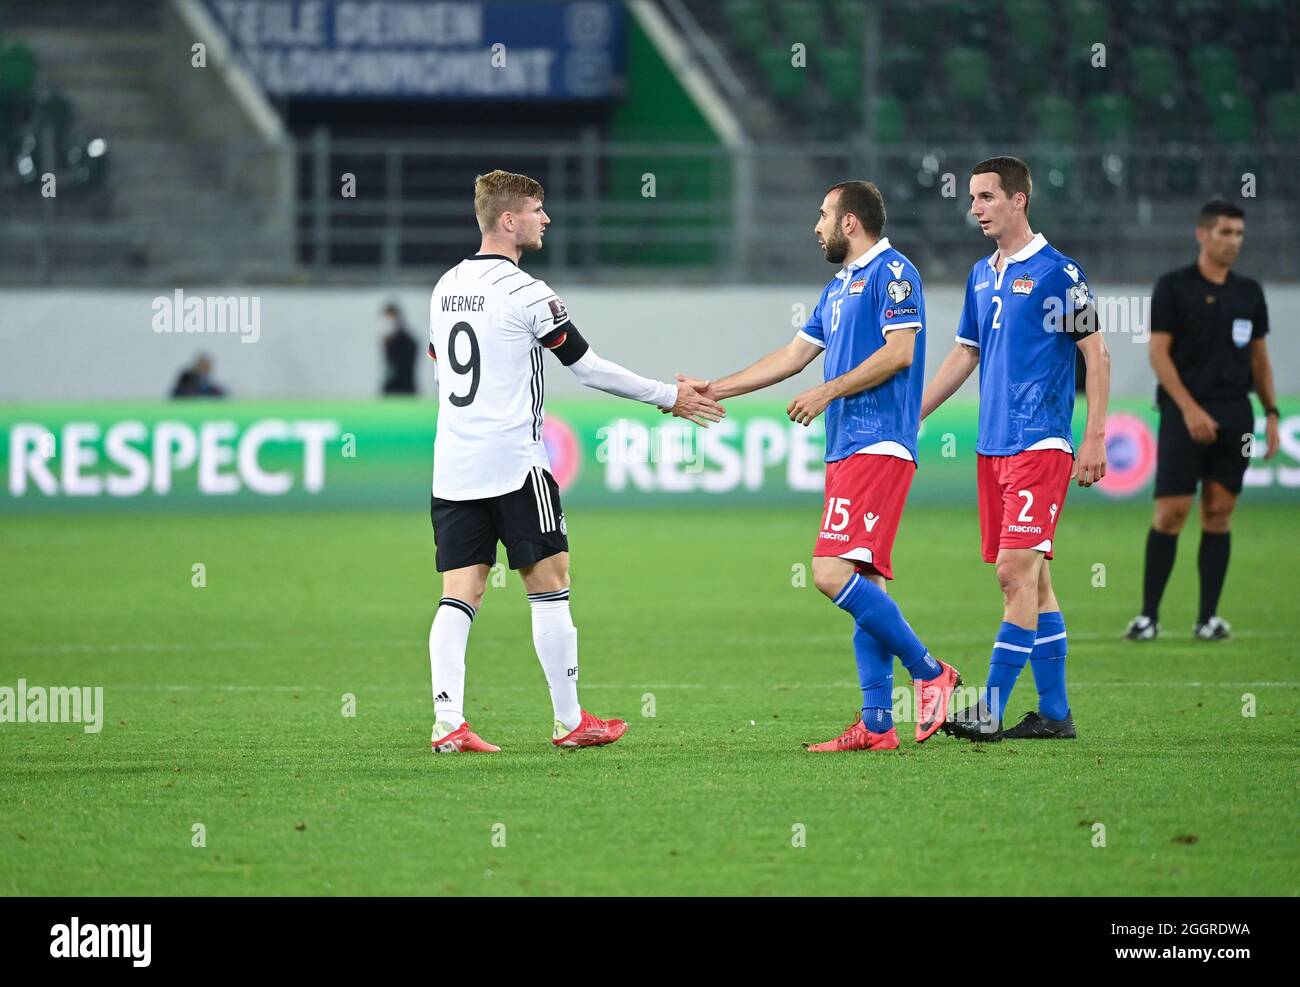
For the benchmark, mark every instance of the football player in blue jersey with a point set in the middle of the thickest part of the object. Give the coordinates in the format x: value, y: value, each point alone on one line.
x: 870, y: 323
x: 1027, y: 308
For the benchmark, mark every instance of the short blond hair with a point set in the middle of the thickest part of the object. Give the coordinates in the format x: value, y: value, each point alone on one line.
x: 502, y: 191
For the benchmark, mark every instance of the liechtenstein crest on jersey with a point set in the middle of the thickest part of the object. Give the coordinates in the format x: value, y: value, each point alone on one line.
x: 856, y: 287
x: 1022, y: 286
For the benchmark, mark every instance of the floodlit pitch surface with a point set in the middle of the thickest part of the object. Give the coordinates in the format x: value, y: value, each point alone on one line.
x: 224, y: 717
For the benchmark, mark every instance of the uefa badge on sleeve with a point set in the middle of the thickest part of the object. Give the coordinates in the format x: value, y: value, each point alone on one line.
x: 899, y: 288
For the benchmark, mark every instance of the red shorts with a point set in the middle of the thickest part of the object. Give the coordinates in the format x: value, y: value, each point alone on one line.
x: 1021, y: 497
x: 865, y: 494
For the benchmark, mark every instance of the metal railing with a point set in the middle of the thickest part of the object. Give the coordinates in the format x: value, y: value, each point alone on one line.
x: 400, y: 211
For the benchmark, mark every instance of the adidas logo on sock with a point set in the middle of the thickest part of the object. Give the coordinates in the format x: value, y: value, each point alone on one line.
x: 442, y: 697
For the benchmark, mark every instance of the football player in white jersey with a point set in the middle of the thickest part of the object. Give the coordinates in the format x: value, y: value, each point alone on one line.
x: 489, y: 325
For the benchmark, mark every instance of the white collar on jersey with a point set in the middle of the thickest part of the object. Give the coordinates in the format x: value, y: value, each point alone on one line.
x: 1024, y: 253
x: 863, y: 260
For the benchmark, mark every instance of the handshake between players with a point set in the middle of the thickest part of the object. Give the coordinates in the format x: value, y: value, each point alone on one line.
x: 491, y: 324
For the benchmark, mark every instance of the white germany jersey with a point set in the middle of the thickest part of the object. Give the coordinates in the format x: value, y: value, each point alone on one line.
x: 486, y: 322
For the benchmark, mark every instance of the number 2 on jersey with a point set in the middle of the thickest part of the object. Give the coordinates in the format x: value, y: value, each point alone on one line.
x: 471, y: 367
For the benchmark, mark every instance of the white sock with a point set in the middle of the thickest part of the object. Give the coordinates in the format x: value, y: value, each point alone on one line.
x: 448, y: 638
x: 556, y: 641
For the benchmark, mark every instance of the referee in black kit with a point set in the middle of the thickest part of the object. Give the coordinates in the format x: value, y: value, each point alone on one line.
x: 1208, y: 351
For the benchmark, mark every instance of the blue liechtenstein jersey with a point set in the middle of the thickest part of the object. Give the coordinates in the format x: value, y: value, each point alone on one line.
x: 878, y: 293
x: 1018, y: 319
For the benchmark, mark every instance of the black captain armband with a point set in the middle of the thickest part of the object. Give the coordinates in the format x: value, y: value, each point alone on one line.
x: 566, y: 343
x: 1082, y: 323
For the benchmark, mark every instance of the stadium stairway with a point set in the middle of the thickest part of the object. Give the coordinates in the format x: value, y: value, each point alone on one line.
x: 106, y: 58
x: 786, y: 179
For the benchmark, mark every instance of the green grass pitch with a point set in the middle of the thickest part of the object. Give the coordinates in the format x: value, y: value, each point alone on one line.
x: 224, y: 707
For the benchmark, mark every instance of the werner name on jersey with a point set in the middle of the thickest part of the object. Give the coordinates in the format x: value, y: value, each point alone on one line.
x: 490, y: 324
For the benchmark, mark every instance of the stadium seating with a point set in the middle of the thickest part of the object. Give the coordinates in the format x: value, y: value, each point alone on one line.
x: 1055, y: 118
x: 1233, y: 118
x: 802, y: 21
x: 1033, y: 26
x: 37, y: 128
x: 1034, y: 30
x: 746, y: 23
x: 890, y: 120
x: 1088, y: 25
x: 17, y: 68
x: 842, y: 74
x: 1155, y: 76
x: 1283, y: 112
x: 1112, y: 116
x: 1274, y: 68
x: 1258, y: 20
x: 784, y: 80
x: 967, y: 71
x: 1215, y: 69
x: 1172, y: 66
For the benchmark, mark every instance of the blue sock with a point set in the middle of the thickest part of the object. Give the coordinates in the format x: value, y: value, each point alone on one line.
x: 876, y: 674
x: 1010, y: 652
x: 1048, y: 663
x: 880, y: 617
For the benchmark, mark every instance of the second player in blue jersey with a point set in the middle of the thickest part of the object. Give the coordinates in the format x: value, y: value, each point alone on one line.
x: 1022, y: 319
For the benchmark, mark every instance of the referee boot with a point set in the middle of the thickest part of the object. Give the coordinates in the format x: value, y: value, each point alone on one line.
x: 1214, y: 629
x: 1035, y: 726
x: 1142, y: 628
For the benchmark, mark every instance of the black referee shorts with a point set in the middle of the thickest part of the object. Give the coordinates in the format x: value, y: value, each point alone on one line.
x: 529, y: 522
x: 1182, y: 463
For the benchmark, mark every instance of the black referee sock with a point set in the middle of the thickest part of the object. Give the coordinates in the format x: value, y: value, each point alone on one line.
x: 1212, y: 560
x: 1159, y: 564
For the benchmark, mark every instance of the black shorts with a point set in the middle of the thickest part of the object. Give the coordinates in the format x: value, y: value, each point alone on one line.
x: 1182, y: 462
x: 529, y: 522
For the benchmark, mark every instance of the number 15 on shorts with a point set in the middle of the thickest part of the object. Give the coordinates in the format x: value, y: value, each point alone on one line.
x: 837, y: 514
